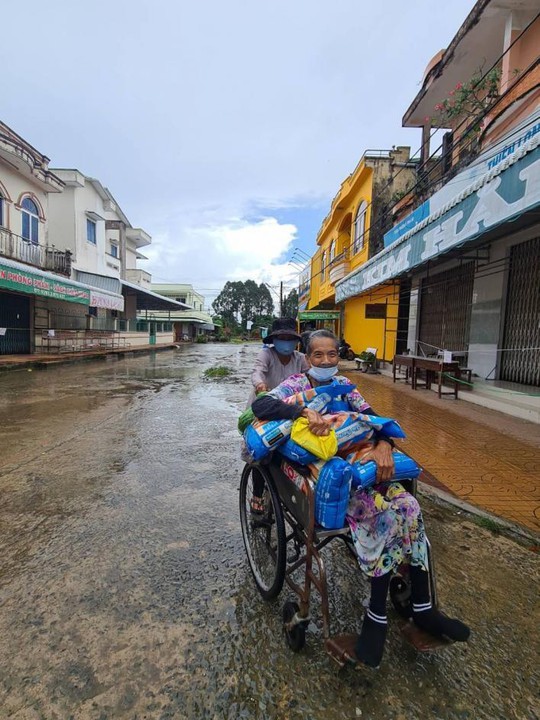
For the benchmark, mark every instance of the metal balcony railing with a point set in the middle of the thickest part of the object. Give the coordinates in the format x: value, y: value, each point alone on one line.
x: 46, y: 257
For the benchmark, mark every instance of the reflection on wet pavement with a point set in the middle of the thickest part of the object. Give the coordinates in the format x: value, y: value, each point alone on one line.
x: 124, y: 589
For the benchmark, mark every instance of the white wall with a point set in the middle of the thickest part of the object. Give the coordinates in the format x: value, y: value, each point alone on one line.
x: 15, y: 184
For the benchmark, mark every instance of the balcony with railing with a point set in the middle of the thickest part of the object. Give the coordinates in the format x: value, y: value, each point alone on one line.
x: 339, y: 267
x: 45, y: 257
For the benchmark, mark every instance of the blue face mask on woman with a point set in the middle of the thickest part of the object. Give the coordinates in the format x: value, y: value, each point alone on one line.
x: 321, y: 374
x: 285, y: 347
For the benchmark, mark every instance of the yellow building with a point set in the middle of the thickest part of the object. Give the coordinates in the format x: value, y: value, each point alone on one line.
x: 351, y: 233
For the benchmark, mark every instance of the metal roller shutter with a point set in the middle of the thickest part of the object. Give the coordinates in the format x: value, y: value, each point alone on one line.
x: 15, y: 321
x: 522, y: 321
x: 445, y: 308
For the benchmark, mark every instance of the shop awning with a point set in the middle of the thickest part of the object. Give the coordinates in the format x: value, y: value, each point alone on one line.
x: 318, y: 315
x: 148, y: 300
x: 33, y: 281
x: 509, y: 189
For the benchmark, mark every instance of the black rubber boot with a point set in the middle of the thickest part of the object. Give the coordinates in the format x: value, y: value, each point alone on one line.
x: 429, y: 618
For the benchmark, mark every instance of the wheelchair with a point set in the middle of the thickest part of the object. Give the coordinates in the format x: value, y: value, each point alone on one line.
x: 283, y: 538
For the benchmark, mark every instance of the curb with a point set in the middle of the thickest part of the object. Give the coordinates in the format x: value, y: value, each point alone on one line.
x: 511, y: 528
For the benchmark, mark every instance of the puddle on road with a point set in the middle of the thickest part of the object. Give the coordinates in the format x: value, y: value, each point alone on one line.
x: 124, y: 589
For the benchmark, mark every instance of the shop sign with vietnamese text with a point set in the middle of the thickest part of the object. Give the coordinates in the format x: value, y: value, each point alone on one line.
x: 498, y: 197
x: 33, y: 284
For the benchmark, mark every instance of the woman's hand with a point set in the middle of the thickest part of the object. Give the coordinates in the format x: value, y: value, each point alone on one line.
x: 316, y: 422
x: 260, y: 388
x: 383, y: 457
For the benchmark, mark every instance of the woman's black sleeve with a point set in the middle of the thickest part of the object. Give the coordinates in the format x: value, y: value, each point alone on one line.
x: 267, y: 407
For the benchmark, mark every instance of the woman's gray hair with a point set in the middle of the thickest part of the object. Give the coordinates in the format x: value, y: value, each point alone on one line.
x: 316, y: 334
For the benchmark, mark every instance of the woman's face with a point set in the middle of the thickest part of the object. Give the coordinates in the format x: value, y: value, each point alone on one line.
x: 323, y: 353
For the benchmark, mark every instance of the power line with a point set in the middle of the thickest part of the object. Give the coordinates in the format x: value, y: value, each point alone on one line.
x: 380, y: 220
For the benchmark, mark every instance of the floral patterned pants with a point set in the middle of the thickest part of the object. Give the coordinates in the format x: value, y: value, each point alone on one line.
x: 387, y: 529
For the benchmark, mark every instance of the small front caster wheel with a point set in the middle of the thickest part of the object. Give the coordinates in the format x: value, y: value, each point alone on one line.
x: 296, y: 636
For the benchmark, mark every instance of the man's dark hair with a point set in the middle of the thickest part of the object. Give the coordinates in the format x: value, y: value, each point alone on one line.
x: 320, y: 334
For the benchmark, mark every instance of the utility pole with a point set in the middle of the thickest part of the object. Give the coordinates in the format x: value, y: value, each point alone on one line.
x: 281, y: 299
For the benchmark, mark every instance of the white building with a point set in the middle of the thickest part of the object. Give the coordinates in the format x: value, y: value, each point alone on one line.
x: 35, y: 265
x: 105, y: 248
x: 187, y: 324
x: 68, y: 266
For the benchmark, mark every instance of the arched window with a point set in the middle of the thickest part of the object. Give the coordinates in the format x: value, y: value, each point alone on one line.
x: 30, y: 221
x: 359, y: 227
x: 332, y: 251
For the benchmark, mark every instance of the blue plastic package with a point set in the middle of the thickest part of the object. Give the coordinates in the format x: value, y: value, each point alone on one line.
x: 332, y: 491
x: 293, y: 451
x: 263, y: 436
x: 364, y: 476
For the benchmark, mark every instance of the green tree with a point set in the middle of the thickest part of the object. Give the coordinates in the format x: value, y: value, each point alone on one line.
x: 227, y: 304
x: 244, y: 301
x: 290, y: 304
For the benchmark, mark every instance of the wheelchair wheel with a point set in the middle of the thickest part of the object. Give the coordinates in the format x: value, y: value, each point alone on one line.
x: 296, y: 637
x: 400, y: 595
x: 263, y: 532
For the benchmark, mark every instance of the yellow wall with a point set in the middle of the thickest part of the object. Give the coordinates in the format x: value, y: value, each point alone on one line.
x: 338, y: 228
x: 362, y: 333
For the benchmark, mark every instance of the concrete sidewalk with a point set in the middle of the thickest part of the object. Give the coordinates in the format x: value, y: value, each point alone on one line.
x: 19, y: 362
x: 479, y: 455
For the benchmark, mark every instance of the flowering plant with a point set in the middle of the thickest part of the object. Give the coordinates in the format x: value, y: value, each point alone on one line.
x: 472, y: 98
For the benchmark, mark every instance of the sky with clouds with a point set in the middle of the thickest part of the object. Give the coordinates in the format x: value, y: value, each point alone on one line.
x: 222, y: 127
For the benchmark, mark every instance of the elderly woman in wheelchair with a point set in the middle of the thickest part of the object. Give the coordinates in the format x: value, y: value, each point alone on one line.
x: 385, y: 520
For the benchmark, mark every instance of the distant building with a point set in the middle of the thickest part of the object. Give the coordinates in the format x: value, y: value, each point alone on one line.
x: 187, y: 324
x: 105, y: 248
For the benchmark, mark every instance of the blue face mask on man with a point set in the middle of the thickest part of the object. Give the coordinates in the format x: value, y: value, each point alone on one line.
x: 285, y: 347
x: 322, y: 373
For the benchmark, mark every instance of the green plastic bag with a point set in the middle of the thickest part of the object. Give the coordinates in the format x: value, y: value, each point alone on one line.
x: 247, y: 417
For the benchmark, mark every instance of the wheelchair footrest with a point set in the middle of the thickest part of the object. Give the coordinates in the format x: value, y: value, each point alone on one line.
x: 341, y: 649
x: 420, y: 639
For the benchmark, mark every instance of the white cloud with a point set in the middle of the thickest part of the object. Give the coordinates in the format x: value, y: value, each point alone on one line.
x: 195, y: 113
x: 237, y: 249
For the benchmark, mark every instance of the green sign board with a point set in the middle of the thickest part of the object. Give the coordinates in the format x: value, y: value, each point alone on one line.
x: 319, y: 315
x: 45, y: 286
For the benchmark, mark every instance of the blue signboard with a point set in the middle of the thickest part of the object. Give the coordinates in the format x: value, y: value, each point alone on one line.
x: 505, y: 192
x: 408, y: 223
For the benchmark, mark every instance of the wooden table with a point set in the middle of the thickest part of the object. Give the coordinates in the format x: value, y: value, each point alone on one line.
x: 432, y: 367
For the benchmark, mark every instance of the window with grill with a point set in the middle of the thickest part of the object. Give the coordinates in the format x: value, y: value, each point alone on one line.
x: 375, y: 311
x: 30, y: 221
x: 359, y: 227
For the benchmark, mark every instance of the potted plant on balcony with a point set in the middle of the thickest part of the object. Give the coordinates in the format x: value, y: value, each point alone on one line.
x: 367, y: 361
x: 470, y: 100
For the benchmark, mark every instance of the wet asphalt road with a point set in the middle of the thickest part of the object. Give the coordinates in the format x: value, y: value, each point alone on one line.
x: 124, y: 590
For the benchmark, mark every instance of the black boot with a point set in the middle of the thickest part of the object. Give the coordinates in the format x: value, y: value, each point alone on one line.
x: 429, y: 618
x: 370, y: 643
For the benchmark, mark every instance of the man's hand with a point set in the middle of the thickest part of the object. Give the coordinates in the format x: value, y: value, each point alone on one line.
x: 260, y: 388
x: 316, y: 422
x: 382, y: 455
